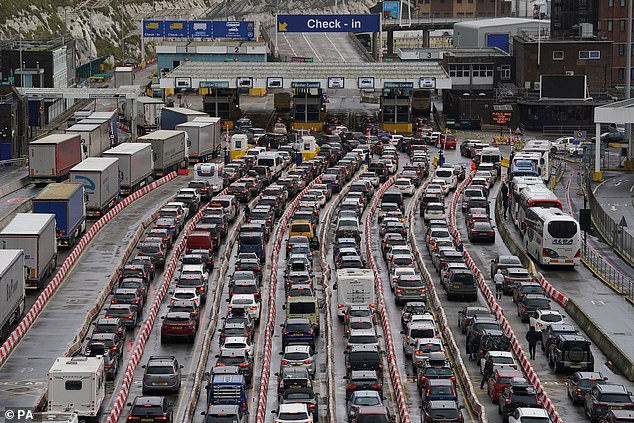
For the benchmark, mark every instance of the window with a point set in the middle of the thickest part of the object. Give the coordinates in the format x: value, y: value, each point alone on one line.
x: 589, y: 54
x: 622, y: 26
x: 622, y: 3
x: 558, y: 55
x: 610, y: 3
x: 610, y: 24
x: 621, y: 49
x: 73, y: 385
x: 621, y: 73
x: 505, y: 73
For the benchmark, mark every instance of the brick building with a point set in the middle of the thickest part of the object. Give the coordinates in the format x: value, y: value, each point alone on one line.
x: 613, y: 26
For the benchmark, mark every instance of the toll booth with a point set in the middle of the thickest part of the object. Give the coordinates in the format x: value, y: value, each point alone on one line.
x: 396, y: 107
x: 309, y: 148
x: 223, y: 103
x: 308, y: 109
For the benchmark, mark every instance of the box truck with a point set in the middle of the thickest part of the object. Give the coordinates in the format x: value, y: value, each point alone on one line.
x: 148, y: 114
x: 52, y: 157
x: 123, y: 75
x: 112, y: 118
x: 201, y: 139
x: 100, y: 177
x: 34, y: 233
x: 169, y: 149
x: 12, y: 289
x: 77, y: 384
x: 94, y: 138
x: 218, y: 137
x: 136, y: 165
x: 172, y: 116
x: 66, y: 202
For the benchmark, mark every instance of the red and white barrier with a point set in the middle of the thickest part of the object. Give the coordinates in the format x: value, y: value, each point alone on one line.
x: 395, y: 375
x: 499, y: 312
x: 18, y: 334
x: 265, y: 374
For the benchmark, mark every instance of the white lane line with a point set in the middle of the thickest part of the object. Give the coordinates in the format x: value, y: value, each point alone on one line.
x: 311, y: 47
x: 289, y: 45
x: 343, y: 59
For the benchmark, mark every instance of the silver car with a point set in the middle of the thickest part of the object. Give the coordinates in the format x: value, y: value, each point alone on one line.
x: 362, y: 399
x: 299, y: 356
x: 162, y: 374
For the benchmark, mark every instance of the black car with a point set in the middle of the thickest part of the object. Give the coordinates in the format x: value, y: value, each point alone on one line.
x: 303, y: 396
x: 441, y: 411
x: 151, y: 409
x: 363, y: 380
x: 518, y: 394
x: 552, y: 331
x: 364, y: 357
x: 581, y: 383
x: 531, y: 303
x: 604, y: 397
x: 293, y: 378
x: 481, y: 231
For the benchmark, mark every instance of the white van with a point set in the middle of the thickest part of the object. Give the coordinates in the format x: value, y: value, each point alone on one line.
x: 211, y: 172
x: 448, y: 174
x: 77, y: 384
x: 354, y: 287
x: 229, y: 203
x: 274, y: 161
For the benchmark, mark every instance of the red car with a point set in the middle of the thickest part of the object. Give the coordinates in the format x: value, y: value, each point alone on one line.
x: 500, y: 380
x: 177, y: 324
x: 447, y: 141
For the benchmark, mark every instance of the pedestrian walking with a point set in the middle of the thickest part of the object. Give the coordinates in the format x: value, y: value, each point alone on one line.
x: 474, y: 344
x: 473, y: 166
x: 486, y: 373
x: 498, y: 279
x: 247, y: 212
x: 441, y: 159
x: 532, y: 337
x: 505, y: 198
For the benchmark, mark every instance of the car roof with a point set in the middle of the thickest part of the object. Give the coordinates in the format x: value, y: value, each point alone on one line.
x: 612, y: 388
x: 532, y: 412
x: 443, y: 404
x: 293, y: 408
x: 358, y: 374
x: 297, y: 348
x: 149, y: 400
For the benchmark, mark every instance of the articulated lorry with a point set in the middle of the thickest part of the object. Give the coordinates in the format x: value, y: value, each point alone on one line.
x: 170, y: 150
x: 12, y: 289
x: 100, y: 177
x: 136, y: 165
x: 66, y: 202
x: 52, y: 157
x: 34, y: 233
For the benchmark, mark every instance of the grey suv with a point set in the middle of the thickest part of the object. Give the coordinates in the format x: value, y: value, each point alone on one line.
x: 221, y: 413
x: 162, y: 374
x: 570, y: 352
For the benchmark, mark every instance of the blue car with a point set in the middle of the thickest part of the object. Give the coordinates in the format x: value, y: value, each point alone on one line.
x: 439, y: 390
x: 346, y: 243
x: 298, y: 331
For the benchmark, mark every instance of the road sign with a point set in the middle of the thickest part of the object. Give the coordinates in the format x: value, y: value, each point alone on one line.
x: 176, y: 29
x: 306, y: 84
x: 234, y: 29
x: 580, y: 135
x: 213, y: 84
x: 201, y: 29
x: 328, y: 23
x: 501, y: 117
x: 623, y: 223
x: 153, y: 28
x: 391, y: 9
x: 576, y: 142
x: 398, y: 84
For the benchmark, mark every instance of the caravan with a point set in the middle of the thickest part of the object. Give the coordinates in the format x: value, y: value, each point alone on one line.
x: 77, y: 384
x: 212, y: 173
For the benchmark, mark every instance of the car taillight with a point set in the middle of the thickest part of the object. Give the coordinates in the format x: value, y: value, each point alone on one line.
x: 377, y: 386
x: 113, y: 301
x: 421, y: 290
x: 133, y: 418
x: 107, y: 367
x: 253, y: 308
x: 243, y: 365
x: 399, y: 290
x: 418, y: 352
x: 114, y: 348
x: 351, y: 387
x: 339, y: 305
x: 159, y: 254
x: 162, y: 418
x: 135, y: 302
x: 578, y: 390
x: 284, y: 362
x: 309, y: 361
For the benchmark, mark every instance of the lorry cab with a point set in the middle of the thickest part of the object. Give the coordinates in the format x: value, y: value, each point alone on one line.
x: 239, y: 144
x: 309, y: 147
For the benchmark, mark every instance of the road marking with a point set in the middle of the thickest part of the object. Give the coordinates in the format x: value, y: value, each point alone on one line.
x: 335, y: 47
x: 312, y: 48
x: 289, y: 45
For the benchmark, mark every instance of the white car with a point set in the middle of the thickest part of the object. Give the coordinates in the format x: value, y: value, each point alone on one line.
x: 425, y: 317
x: 179, y: 204
x: 541, y: 319
x: 406, y: 186
x: 280, y: 128
x: 485, y: 174
x: 370, y: 176
x: 246, y: 302
x: 434, y: 211
x: 501, y: 360
x: 442, y: 183
x: 398, y: 250
x: 238, y: 343
x: 415, y: 331
x: 529, y: 415
x: 293, y: 413
x: 320, y: 195
x: 190, y: 294
x: 194, y: 271
x: 192, y: 191
x: 398, y: 271
x: 425, y: 346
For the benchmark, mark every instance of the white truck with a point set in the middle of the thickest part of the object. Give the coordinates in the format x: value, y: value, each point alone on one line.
x: 123, y: 75
x: 136, y: 165
x: 354, y: 287
x: 95, y: 138
x: 170, y: 150
x: 34, y: 233
x: 203, y: 138
x: 100, y: 177
x: 12, y: 290
x: 148, y: 114
x: 77, y: 384
x: 52, y: 157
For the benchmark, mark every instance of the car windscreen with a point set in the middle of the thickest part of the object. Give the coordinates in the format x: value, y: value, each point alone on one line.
x: 292, y: 417
x: 301, y: 308
x: 150, y: 248
x: 372, y: 418
x: 422, y: 333
x: 364, y: 357
x: 160, y: 370
x: 441, y: 173
x: 296, y: 356
x: 410, y: 283
x: 300, y: 227
x: 298, y: 327
x: 146, y: 410
x: 524, y: 398
x: 362, y: 339
x: 537, y: 302
x: 463, y: 278
x: 250, y: 239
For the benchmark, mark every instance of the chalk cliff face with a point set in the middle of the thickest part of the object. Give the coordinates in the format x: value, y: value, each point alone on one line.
x: 99, y: 25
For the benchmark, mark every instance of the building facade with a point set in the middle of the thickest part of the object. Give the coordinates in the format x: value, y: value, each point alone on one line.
x: 612, y: 25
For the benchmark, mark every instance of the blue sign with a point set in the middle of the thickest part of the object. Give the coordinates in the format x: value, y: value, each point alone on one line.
x: 201, y: 29
x: 234, y: 29
x: 153, y: 28
x: 176, y: 29
x: 328, y: 23
x: 391, y: 9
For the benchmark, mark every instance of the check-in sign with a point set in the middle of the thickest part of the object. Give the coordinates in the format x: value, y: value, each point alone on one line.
x: 328, y: 23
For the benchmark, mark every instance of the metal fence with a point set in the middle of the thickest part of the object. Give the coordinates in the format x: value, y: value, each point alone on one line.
x: 615, y: 235
x: 619, y: 282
